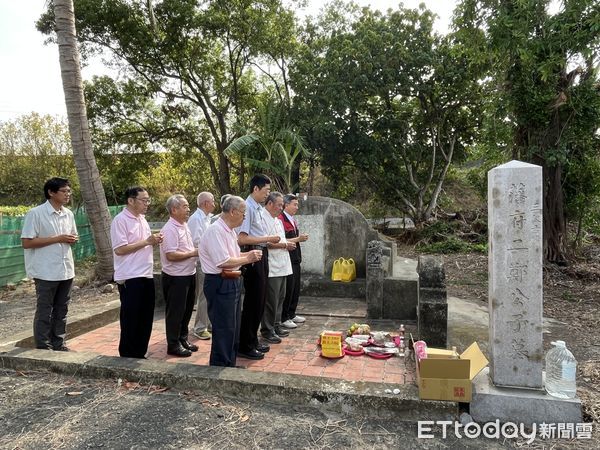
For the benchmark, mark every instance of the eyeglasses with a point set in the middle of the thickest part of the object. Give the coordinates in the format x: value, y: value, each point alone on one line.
x: 147, y: 201
x: 65, y: 191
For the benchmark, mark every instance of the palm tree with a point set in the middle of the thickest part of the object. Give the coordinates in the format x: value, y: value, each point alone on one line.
x: 277, y: 143
x: 92, y: 190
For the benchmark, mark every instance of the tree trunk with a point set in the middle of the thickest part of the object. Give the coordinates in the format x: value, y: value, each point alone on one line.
x: 92, y: 191
x: 555, y: 223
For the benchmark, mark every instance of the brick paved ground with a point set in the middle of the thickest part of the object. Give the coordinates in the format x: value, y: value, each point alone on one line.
x: 297, y: 354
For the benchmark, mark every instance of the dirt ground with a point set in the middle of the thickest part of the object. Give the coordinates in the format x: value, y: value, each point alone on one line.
x: 40, y: 410
x: 17, y: 306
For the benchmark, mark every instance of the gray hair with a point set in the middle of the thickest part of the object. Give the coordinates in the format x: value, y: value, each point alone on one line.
x: 203, y: 197
x: 223, y: 198
x: 173, y: 201
x: 289, y: 198
x: 273, y: 196
x: 232, y: 202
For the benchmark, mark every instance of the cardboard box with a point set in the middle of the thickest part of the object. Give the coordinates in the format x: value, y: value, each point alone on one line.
x: 441, y: 377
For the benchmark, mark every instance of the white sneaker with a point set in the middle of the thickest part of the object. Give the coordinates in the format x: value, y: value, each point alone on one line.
x: 289, y: 324
x: 299, y: 319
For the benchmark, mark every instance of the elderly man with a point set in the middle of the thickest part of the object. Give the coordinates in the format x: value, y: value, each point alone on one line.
x: 279, y: 268
x: 289, y: 319
x: 198, y: 223
x: 132, y: 243
x: 215, y: 217
x: 221, y: 259
x: 178, y: 259
x: 48, y: 233
x: 253, y: 235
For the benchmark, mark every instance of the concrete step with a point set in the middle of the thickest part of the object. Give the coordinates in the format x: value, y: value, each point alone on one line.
x: 324, y: 287
x: 354, y: 308
x: 358, y: 398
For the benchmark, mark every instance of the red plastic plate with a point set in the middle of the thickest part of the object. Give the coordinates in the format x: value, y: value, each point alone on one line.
x: 380, y: 355
x: 349, y: 352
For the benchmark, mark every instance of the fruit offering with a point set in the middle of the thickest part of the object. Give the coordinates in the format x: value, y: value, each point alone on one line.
x: 356, y: 328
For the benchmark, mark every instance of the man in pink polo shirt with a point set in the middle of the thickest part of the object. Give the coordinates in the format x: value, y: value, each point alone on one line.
x: 220, y: 259
x: 178, y: 259
x: 132, y: 243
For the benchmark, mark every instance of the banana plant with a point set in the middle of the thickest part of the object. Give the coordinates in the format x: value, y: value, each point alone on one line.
x: 273, y: 147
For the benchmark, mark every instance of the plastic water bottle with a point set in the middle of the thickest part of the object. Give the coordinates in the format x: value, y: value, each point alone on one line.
x: 561, y: 367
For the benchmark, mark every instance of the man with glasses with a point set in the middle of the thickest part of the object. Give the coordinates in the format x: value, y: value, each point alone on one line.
x: 289, y: 319
x: 253, y: 235
x: 279, y: 268
x: 132, y: 243
x: 221, y: 259
x: 198, y: 223
x: 48, y: 233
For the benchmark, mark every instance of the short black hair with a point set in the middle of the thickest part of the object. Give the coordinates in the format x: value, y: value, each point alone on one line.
x: 289, y: 198
x: 259, y: 180
x: 133, y: 191
x: 54, y: 184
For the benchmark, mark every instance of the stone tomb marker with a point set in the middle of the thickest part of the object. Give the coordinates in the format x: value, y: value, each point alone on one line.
x: 515, y: 274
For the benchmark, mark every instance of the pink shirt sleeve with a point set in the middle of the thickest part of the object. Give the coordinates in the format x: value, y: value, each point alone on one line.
x: 170, y: 241
x: 118, y: 233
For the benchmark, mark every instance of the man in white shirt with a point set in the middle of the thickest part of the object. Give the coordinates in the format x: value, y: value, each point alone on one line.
x: 198, y: 223
x: 280, y: 267
x: 48, y: 233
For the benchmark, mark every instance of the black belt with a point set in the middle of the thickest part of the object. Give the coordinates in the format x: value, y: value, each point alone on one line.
x: 247, y: 248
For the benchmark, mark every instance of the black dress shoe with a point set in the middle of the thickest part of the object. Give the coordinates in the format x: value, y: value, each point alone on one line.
x: 263, y: 348
x: 179, y: 351
x: 282, y: 332
x: 252, y: 354
x: 272, y: 338
x: 62, y: 348
x: 188, y: 345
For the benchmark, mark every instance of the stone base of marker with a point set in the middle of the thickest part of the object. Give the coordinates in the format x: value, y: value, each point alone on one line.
x: 432, y: 307
x: 527, y: 406
x: 432, y: 323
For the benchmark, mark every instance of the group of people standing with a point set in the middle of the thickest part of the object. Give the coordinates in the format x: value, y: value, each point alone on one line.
x: 202, y: 257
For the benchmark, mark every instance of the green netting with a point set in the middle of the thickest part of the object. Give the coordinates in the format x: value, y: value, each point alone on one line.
x: 12, y: 264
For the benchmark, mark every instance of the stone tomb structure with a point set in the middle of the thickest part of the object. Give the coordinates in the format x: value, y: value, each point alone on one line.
x: 512, y: 388
x: 336, y: 229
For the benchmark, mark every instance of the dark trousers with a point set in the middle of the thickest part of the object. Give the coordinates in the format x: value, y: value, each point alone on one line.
x: 223, y: 298
x: 137, y: 315
x: 50, y: 321
x: 292, y: 294
x: 180, y: 294
x: 255, y: 287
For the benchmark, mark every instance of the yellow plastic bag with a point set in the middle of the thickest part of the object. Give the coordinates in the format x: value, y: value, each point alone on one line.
x: 353, y: 265
x: 348, y: 270
x: 336, y: 272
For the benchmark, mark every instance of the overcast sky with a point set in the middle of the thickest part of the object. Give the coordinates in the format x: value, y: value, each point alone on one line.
x: 30, y: 74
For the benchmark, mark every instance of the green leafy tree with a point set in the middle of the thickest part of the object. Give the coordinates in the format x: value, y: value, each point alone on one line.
x: 33, y: 148
x: 188, y: 70
x: 544, y: 65
x: 390, y: 99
